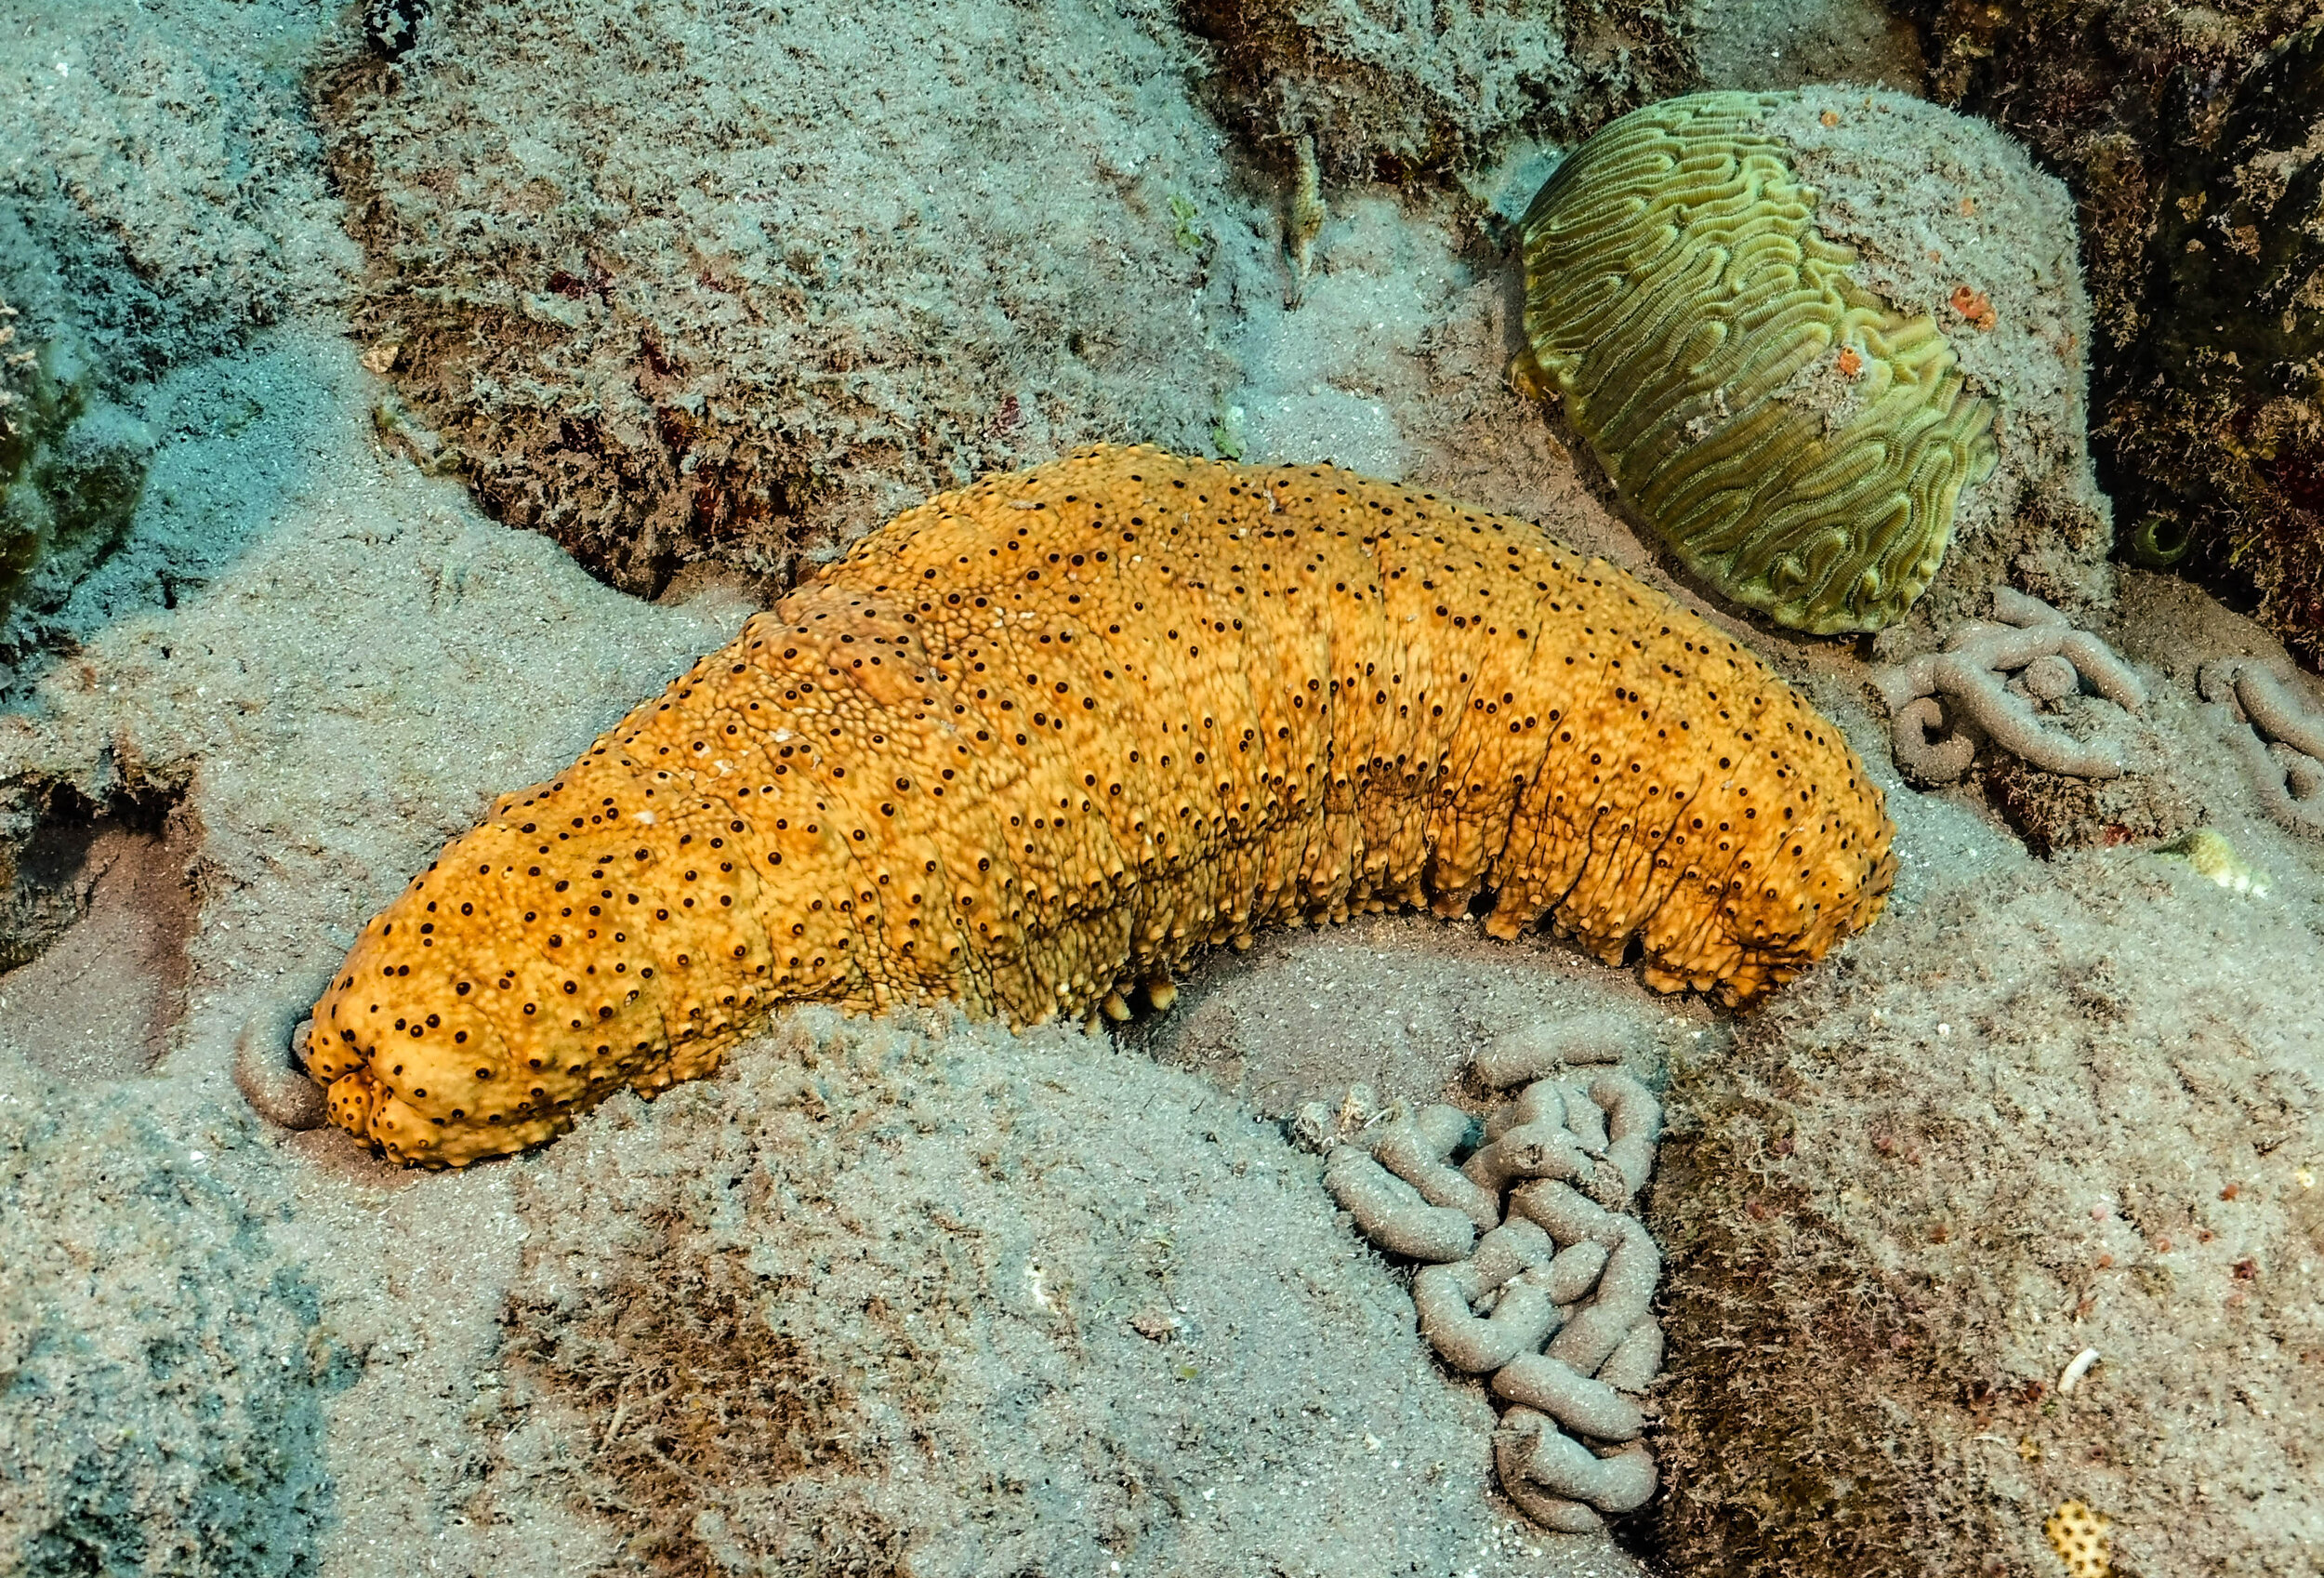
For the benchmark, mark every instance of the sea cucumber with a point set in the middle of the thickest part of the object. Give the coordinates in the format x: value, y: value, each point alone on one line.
x: 1036, y: 742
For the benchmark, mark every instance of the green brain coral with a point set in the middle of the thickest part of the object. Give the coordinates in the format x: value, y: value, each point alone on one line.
x: 1799, y: 441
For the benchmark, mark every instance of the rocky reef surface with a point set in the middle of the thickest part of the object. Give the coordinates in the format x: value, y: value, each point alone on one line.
x: 432, y: 366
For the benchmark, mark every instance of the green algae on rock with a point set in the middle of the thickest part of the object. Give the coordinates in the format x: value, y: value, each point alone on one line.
x: 71, y: 468
x: 668, y: 304
x: 1803, y: 331
x: 1914, y: 1190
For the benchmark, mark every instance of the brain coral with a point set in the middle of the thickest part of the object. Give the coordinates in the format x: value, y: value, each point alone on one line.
x: 1796, y: 389
x: 1037, y: 742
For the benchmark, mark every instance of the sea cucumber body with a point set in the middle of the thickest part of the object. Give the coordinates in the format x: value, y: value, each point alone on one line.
x: 1034, y: 742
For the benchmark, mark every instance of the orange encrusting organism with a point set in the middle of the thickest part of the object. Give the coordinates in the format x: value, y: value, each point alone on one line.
x: 1036, y: 742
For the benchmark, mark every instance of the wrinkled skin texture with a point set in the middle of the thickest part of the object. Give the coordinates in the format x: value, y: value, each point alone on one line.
x: 1036, y: 742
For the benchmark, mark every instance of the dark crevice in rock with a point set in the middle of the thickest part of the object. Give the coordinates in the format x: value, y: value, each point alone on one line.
x: 98, y: 909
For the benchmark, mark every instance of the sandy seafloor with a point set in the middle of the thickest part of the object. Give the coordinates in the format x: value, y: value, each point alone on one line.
x: 225, y: 1347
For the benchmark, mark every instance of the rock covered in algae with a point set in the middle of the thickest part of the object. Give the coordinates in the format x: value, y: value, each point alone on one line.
x: 1813, y: 337
x: 1391, y: 93
x: 2061, y: 1104
x: 674, y: 306
x: 71, y: 465
x: 164, y: 1361
x: 2222, y: 428
x: 1036, y: 742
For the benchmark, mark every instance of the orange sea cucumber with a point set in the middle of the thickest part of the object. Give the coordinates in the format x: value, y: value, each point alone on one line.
x: 1037, y: 742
